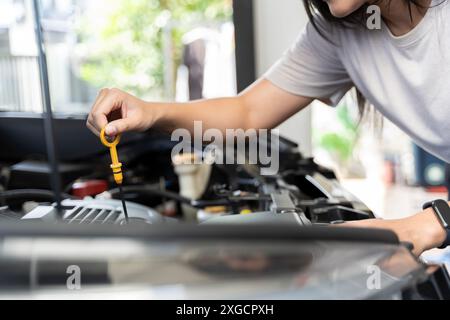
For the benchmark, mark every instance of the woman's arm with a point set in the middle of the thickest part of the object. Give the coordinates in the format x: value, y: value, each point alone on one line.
x: 423, y: 230
x: 261, y: 106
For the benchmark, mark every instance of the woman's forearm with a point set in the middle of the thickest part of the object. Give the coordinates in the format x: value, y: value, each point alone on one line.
x: 221, y: 114
x: 261, y: 106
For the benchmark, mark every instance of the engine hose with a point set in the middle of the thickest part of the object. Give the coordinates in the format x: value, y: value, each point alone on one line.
x: 30, y: 194
x: 152, y: 191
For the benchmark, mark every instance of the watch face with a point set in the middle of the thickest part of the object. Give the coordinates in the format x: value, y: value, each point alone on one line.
x: 442, y: 209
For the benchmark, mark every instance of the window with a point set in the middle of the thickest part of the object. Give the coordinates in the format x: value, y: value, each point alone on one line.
x: 158, y: 50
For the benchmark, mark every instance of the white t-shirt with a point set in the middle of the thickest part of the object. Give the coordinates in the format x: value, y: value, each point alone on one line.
x: 406, y: 78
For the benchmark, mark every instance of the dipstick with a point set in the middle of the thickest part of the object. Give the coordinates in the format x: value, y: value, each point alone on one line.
x: 116, y: 166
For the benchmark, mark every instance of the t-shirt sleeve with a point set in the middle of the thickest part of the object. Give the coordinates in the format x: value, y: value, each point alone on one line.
x: 312, y: 68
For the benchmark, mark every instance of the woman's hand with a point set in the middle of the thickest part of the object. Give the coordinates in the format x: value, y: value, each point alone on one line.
x: 423, y: 230
x: 119, y: 112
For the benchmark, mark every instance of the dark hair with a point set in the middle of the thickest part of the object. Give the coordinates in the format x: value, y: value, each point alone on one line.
x: 356, y: 19
x: 359, y: 17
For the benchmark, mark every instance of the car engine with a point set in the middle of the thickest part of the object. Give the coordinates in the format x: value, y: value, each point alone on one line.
x: 210, y: 218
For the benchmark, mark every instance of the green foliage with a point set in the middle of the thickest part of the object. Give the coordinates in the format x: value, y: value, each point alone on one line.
x: 342, y: 142
x: 339, y: 144
x: 125, y: 47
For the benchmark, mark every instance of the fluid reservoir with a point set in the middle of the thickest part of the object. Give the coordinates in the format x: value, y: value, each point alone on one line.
x: 193, y: 178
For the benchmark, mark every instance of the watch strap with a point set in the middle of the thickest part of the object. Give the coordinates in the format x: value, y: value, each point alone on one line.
x: 431, y: 204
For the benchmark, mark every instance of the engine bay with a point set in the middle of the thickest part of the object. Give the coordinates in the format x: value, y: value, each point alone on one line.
x: 191, y: 224
x: 157, y: 189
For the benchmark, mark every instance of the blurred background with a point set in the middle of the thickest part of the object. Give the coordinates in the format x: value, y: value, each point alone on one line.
x: 142, y: 46
x: 187, y: 49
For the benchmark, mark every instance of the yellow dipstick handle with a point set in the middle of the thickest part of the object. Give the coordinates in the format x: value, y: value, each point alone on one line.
x: 116, y: 166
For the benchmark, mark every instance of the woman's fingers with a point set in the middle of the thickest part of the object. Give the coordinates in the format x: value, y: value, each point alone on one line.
x: 117, y: 127
x: 107, y: 102
x: 92, y: 128
x: 117, y: 112
x: 91, y: 121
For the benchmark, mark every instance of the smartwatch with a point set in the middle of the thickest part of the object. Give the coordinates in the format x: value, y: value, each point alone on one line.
x: 442, y: 212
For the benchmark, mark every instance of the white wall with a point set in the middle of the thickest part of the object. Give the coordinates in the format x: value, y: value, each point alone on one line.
x: 277, y: 25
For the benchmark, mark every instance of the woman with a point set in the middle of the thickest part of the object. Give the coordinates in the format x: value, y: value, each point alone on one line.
x: 403, y: 69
